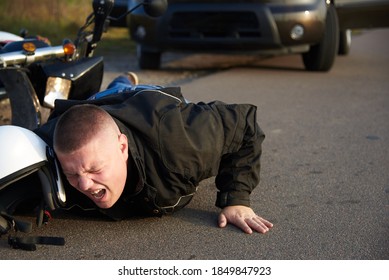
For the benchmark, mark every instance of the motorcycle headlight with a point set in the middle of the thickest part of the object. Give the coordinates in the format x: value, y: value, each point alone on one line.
x: 56, y: 88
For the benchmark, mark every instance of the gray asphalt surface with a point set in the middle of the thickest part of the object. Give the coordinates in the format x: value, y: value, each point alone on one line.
x: 325, y: 179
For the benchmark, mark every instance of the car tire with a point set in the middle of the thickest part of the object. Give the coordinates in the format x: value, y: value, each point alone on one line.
x: 321, y: 57
x: 148, y: 60
x: 344, y: 42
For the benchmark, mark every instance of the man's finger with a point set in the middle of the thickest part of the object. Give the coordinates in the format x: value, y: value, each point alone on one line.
x: 265, y: 222
x: 242, y: 224
x: 257, y: 225
x: 222, y: 220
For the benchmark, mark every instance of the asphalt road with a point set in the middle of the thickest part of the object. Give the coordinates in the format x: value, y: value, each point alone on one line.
x: 325, y: 179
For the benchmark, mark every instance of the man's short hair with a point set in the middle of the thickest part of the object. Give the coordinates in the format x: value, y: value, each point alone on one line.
x: 78, y: 125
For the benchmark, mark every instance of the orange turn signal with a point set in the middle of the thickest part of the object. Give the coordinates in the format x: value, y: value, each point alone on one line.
x: 69, y: 48
x: 29, y: 47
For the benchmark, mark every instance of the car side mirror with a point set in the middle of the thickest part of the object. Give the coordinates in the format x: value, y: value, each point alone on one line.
x: 155, y: 8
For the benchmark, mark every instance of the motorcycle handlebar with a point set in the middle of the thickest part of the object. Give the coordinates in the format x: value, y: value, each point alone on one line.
x: 23, y: 58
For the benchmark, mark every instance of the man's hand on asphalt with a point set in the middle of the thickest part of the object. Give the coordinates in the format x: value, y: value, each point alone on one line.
x: 244, y: 218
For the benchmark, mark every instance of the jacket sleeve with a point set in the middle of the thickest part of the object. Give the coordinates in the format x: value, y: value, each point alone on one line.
x: 239, y: 167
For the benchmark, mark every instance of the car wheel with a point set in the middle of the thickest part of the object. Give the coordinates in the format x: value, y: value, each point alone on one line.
x: 344, y: 42
x: 148, y: 60
x: 321, y: 57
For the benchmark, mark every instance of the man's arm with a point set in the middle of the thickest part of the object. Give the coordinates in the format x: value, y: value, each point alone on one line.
x: 239, y: 171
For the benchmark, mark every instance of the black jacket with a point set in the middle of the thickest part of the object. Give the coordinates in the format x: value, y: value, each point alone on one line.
x: 174, y: 145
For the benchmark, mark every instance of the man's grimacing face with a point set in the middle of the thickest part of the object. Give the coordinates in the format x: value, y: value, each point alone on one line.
x: 99, y: 168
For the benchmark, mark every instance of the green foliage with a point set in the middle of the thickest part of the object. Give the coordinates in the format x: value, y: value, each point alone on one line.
x: 55, y: 19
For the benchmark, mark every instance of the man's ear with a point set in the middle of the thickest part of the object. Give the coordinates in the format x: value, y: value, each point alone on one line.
x: 123, y: 143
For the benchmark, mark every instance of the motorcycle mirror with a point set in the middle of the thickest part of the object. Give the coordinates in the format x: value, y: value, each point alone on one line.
x: 101, y: 9
x: 155, y: 8
x: 23, y: 32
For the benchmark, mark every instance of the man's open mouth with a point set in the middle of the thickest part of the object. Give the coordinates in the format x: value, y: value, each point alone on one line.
x: 99, y: 194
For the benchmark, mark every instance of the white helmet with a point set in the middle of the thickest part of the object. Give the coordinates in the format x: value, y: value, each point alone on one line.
x: 22, y: 152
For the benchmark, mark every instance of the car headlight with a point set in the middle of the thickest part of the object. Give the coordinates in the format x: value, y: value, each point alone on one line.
x: 297, y: 32
x: 56, y: 88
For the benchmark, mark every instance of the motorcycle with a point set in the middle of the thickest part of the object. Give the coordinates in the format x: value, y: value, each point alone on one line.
x: 35, y: 74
